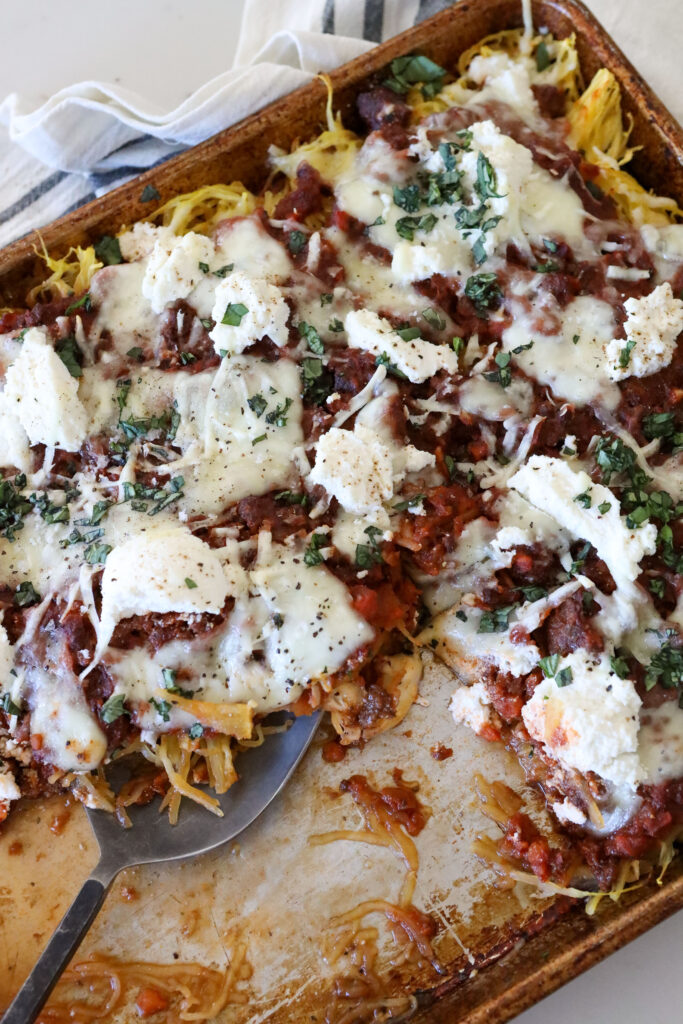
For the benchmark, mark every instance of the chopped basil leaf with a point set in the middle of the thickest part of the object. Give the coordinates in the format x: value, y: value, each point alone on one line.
x: 369, y: 554
x: 326, y: 298
x: 85, y: 302
x: 578, y: 562
x: 584, y: 499
x: 449, y: 463
x: 479, y: 251
x: 483, y: 290
x: 25, y: 595
x: 204, y: 267
x: 458, y: 344
x: 162, y: 708
x: 550, y: 665
x: 13, y: 506
x: 134, y: 353
x: 292, y: 498
x: 207, y: 325
x: 564, y: 677
x: 542, y: 56
x: 407, y: 226
x: 665, y: 668
x: 257, y: 404
x: 533, y: 592
x: 415, y: 69
x: 417, y: 499
x: 70, y: 354
x: 434, y: 318
x: 113, y: 708
x: 619, y: 666
x: 409, y: 333
x: 485, y: 185
x: 312, y: 554
x: 392, y: 369
x: 503, y: 375
x: 656, y: 586
x: 604, y: 507
x: 575, y: 339
x: 257, y: 440
x: 187, y: 357
x: 625, y: 354
x: 318, y: 381
x: 196, y: 731
x: 311, y: 336
x: 335, y: 325
x: 108, y: 251
x: 278, y: 415
x: 408, y: 198
x: 296, y: 240
x: 190, y: 583
x: 97, y: 553
x: 223, y: 271
x: 234, y: 313
x: 659, y: 424
x: 8, y: 706
x: 149, y: 194
x: 496, y: 621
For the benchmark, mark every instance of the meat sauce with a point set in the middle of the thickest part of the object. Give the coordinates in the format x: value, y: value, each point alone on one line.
x: 387, y: 598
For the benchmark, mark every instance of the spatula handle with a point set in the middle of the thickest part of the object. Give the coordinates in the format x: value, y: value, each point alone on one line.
x: 33, y: 994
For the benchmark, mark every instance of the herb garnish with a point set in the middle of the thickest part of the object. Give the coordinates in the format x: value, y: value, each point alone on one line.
x: 415, y: 69
x: 312, y: 554
x: 85, y: 303
x: 311, y: 336
x: 113, y: 708
x: 369, y: 554
x: 484, y: 291
x: 108, y: 250
x: 234, y: 314
x: 149, y: 194
x: 496, y: 621
x: 70, y: 354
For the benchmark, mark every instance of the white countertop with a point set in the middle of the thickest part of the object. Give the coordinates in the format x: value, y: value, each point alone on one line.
x: 162, y: 49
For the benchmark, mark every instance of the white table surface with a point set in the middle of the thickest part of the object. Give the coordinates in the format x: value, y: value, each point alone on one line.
x: 162, y: 49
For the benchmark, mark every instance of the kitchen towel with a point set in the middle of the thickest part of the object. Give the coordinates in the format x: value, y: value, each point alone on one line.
x: 90, y: 137
x: 87, y: 138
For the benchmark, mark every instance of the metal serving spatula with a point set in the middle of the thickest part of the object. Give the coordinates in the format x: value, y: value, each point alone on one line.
x: 263, y: 770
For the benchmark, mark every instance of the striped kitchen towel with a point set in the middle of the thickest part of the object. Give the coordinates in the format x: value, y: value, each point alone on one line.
x: 93, y: 136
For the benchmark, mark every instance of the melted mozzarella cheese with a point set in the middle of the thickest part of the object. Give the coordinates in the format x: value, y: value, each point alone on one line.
x: 237, y: 452
x: 570, y: 361
x: 485, y: 398
x: 70, y: 738
x: 122, y: 310
x: 42, y: 394
x: 458, y: 631
x: 246, y: 245
x: 320, y: 628
x: 174, y: 268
